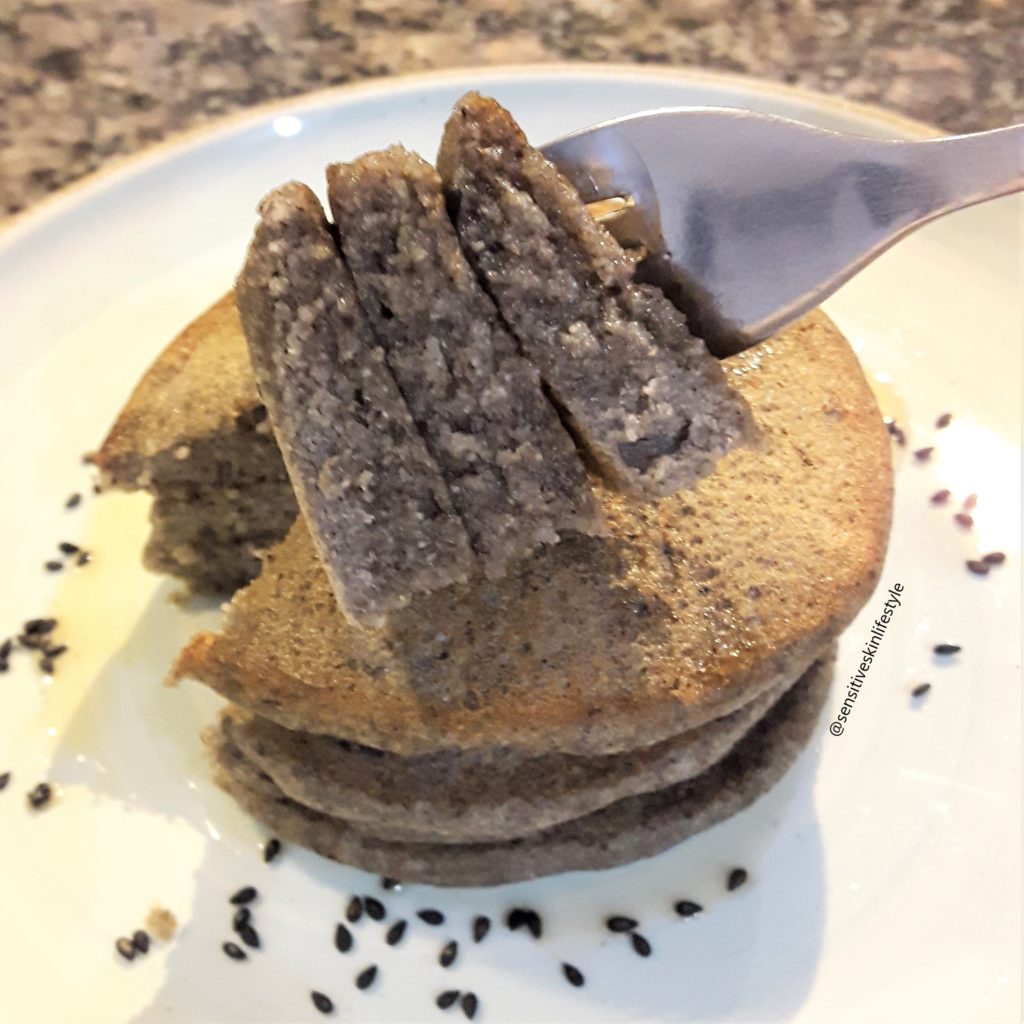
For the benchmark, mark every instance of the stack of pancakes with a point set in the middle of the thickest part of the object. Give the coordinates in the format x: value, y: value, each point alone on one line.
x: 604, y: 698
x: 612, y: 696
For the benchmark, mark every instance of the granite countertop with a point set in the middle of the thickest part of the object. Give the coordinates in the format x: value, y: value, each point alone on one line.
x: 82, y: 81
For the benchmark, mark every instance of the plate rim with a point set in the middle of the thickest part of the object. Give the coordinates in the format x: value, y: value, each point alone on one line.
x: 52, y: 206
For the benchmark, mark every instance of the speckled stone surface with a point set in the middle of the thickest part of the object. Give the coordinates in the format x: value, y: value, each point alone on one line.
x: 84, y: 80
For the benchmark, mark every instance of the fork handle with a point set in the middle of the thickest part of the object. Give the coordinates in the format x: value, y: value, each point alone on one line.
x: 952, y: 173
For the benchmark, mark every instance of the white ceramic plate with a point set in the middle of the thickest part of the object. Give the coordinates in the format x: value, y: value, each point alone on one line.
x: 884, y: 871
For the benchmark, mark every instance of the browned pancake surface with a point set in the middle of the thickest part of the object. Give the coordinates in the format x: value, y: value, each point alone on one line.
x: 687, y: 609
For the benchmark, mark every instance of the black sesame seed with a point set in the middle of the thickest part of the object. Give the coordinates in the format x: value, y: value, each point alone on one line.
x: 945, y: 649
x: 970, y: 502
x: 354, y: 910
x: 5, y: 777
x: 687, y: 908
x: 40, y: 796
x: 920, y: 690
x: 39, y: 627
x: 523, y: 917
x: 241, y: 918
x: 55, y: 652
x: 234, y: 951
x: 944, y: 421
x: 126, y: 948
x: 618, y: 923
x: 322, y: 1002
x: 964, y: 520
x: 894, y: 431
x: 573, y: 975
x: 97, y: 489
x: 5, y: 649
x: 940, y: 497
x: 46, y: 665
x: 53, y: 566
x: 249, y: 936
x: 736, y: 878
x: 84, y: 558
x: 447, y: 999
x: 342, y: 938
x: 364, y: 979
x: 395, y: 933
x: 74, y: 500
x: 469, y: 1004
x: 140, y: 940
x: 481, y: 926
x: 374, y: 908
x: 640, y: 945
x: 271, y: 850
x: 389, y: 883
x: 244, y: 895
x: 429, y: 916
x: 67, y: 548
x: 979, y: 568
x: 923, y: 454
x: 994, y: 558
x: 449, y: 952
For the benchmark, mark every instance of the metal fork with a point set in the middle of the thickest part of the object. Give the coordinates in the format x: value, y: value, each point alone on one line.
x: 752, y: 220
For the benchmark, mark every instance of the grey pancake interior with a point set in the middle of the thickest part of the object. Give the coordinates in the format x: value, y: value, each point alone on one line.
x: 458, y: 796
x: 635, y: 827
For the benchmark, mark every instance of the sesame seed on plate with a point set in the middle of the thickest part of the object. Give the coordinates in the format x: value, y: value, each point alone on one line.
x: 736, y: 878
x: 244, y: 895
x: 322, y: 1002
x: 620, y: 923
x: 573, y: 975
x: 687, y: 908
x: 365, y: 978
x: 524, y: 917
x: 342, y: 938
x: 40, y: 796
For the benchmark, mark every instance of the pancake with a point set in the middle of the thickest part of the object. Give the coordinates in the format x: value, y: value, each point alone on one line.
x: 194, y: 433
x: 636, y: 827
x: 645, y: 397
x: 375, y: 500
x: 512, y: 469
x: 476, y: 796
x: 686, y: 610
